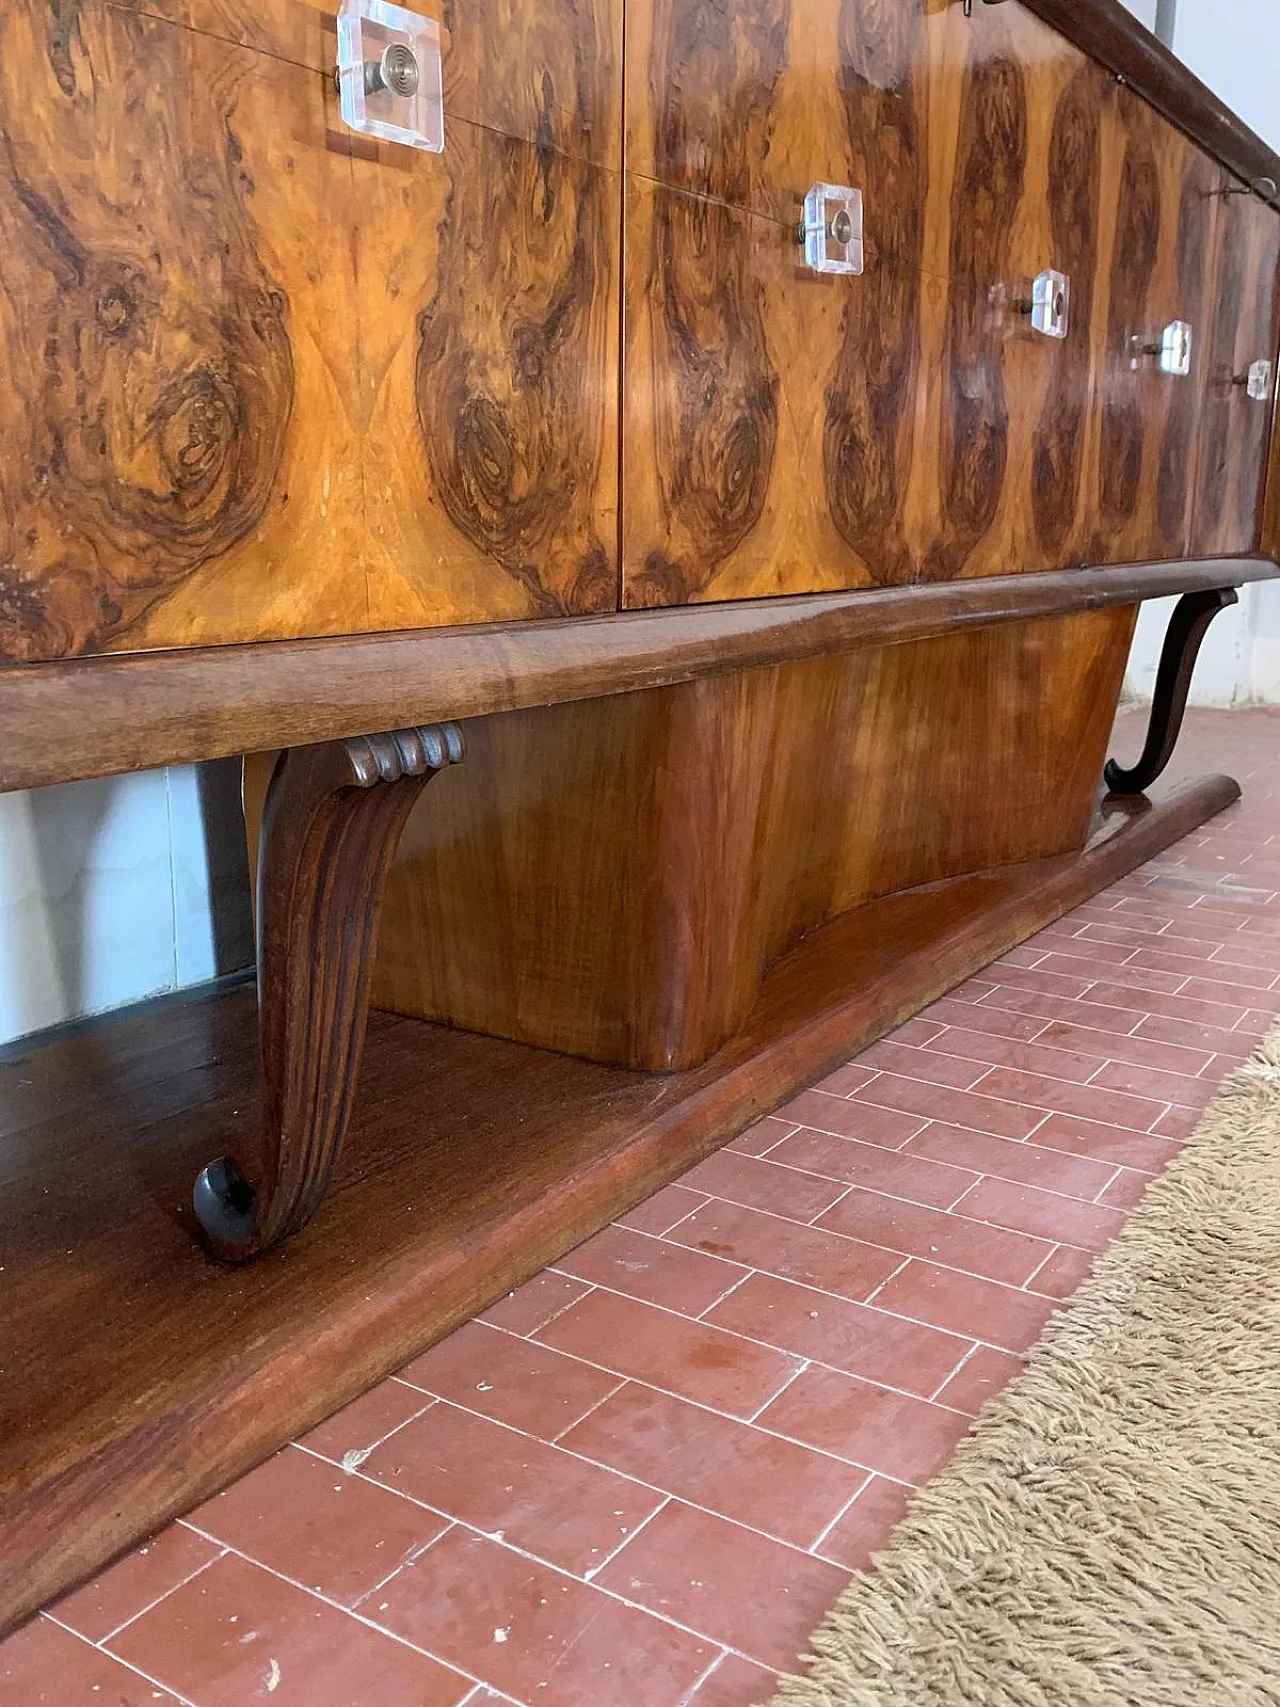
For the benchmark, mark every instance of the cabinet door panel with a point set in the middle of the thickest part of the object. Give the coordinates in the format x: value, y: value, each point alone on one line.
x: 548, y: 72
x: 1020, y: 126
x: 1236, y: 427
x: 770, y: 412
x: 257, y: 382
x: 487, y: 291
x: 177, y: 388
x: 729, y: 346
x: 751, y: 103
x: 1161, y: 205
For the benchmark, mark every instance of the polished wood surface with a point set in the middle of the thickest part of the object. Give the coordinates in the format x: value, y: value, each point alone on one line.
x: 123, y: 1417
x: 260, y: 378
x: 1109, y: 32
x: 1158, y: 268
x: 549, y: 73
x: 614, y: 877
x: 97, y: 717
x: 265, y: 379
x: 787, y: 432
x: 1243, y: 329
x: 329, y: 824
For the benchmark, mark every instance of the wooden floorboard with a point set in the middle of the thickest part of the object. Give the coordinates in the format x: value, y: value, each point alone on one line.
x: 136, y: 1377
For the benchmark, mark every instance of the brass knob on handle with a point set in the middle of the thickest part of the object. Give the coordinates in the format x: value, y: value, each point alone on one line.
x: 396, y: 71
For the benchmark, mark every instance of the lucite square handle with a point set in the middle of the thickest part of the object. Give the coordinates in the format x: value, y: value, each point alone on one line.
x: 389, y: 74
x: 831, y: 229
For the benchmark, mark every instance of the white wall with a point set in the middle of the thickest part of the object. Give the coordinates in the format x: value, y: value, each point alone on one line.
x: 1234, y: 46
x: 118, y: 889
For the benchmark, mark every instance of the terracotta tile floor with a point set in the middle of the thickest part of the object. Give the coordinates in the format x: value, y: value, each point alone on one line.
x: 640, y: 1480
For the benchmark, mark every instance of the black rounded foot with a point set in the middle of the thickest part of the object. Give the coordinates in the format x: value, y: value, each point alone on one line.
x: 226, y: 1206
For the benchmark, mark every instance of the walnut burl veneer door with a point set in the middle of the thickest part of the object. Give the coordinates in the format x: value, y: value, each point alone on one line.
x: 769, y: 412
x: 260, y: 378
x: 1161, y: 199
x: 1237, y: 427
x: 546, y: 71
x: 1020, y: 124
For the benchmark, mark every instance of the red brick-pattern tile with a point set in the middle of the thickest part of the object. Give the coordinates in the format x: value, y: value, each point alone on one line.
x: 740, y: 1588
x: 636, y: 1480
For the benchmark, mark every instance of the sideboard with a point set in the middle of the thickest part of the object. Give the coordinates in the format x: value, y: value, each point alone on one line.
x: 667, y: 559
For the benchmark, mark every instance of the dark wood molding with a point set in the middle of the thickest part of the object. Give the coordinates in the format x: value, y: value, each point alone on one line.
x: 1187, y: 628
x: 102, y: 716
x: 1110, y: 34
x: 128, y: 1416
x: 330, y: 828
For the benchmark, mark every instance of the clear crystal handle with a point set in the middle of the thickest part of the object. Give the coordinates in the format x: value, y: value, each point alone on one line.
x: 389, y: 74
x: 830, y: 229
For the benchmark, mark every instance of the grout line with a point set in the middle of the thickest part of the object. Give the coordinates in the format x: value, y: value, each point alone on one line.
x: 591, y: 1409
x: 593, y: 1571
x: 844, y: 1509
x: 1107, y: 1187
x: 728, y: 1292
x: 562, y: 1311
x: 1028, y: 1284
x: 760, y: 1154
x: 173, y: 1587
x: 877, y: 1290
x: 356, y: 1456
x: 137, y: 1671
x: 946, y: 1381
x: 689, y: 1698
x: 803, y: 1365
x: 412, y: 1557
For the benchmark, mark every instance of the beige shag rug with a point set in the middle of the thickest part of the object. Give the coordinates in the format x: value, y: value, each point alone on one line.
x: 1110, y: 1531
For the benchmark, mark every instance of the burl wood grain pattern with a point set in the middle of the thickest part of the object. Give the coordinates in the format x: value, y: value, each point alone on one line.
x: 1242, y: 330
x: 262, y: 381
x: 149, y: 373
x: 1165, y: 196
x: 549, y: 73
x: 769, y: 413
x: 954, y: 441
x: 613, y: 878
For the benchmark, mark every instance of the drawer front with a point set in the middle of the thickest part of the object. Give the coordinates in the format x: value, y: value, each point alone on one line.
x: 260, y: 378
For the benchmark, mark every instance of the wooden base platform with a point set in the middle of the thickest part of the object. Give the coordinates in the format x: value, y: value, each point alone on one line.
x: 136, y: 1376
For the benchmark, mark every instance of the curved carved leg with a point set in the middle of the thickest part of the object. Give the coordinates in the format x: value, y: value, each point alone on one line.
x: 1187, y: 627
x: 330, y: 828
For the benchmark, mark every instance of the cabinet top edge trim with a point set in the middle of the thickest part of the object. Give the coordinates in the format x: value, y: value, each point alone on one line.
x: 1107, y: 32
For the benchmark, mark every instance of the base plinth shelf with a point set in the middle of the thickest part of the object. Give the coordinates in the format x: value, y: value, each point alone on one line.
x: 137, y: 1377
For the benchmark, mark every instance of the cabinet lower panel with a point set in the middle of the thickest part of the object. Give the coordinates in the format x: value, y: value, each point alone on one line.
x: 614, y: 877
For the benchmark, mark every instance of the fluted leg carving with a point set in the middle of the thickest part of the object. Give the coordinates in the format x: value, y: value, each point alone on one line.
x: 331, y: 824
x: 1187, y: 628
